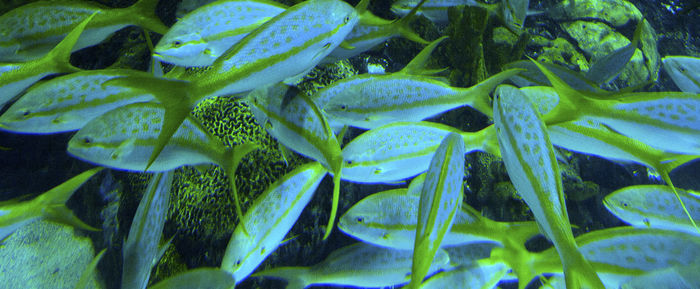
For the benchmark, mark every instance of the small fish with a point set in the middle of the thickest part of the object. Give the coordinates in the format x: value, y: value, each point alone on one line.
x: 68, y: 102
x: 529, y: 159
x: 400, y: 150
x: 203, y: 277
x: 357, y: 265
x: 654, y: 206
x: 123, y: 139
x: 389, y: 219
x: 286, y: 47
x: 269, y: 219
x: 434, y: 10
x: 531, y: 76
x: 30, y: 31
x: 49, y: 205
x: 685, y: 72
x: 16, y: 77
x: 621, y: 254
x: 205, y: 34
x: 140, y: 250
x: 482, y: 276
x: 369, y: 100
x: 608, y: 67
x: 301, y: 126
x: 371, y: 31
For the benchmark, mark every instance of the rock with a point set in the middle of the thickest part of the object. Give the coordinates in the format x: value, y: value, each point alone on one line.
x: 45, y: 255
x: 614, y: 12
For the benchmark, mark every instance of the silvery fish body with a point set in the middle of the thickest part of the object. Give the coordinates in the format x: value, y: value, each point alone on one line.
x: 532, y: 167
x: 401, y: 150
x: 435, y: 10
x: 485, y: 276
x: 269, y: 219
x: 141, y: 249
x: 369, y: 101
x: 206, y: 33
x: 654, y: 206
x: 357, y: 265
x: 622, y: 253
x: 203, y: 277
x: 685, y: 72
x: 10, y: 89
x: 286, y: 46
x: 68, y: 102
x: 22, y: 39
x: 389, y: 219
x: 124, y: 138
x: 440, y: 199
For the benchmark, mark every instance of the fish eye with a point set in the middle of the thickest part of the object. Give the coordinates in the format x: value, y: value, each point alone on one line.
x: 238, y: 262
x: 177, y: 43
x: 359, y: 219
x: 343, y: 107
x: 26, y: 113
x: 349, y: 162
x: 624, y: 204
x: 346, y: 20
x: 87, y: 140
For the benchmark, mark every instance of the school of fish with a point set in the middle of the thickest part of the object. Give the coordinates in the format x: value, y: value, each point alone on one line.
x: 425, y: 235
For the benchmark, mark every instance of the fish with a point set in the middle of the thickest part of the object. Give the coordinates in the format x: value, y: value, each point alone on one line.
x: 301, y: 126
x: 206, y: 33
x: 369, y: 100
x: 356, y: 265
x: 484, y: 276
x: 389, y: 219
x: 684, y: 71
x: 123, y: 139
x: 286, y: 47
x: 51, y: 21
x: 434, y: 10
x: 621, y: 254
x: 532, y: 167
x: 371, y: 31
x: 49, y: 206
x: 440, y: 198
x: 675, y: 277
x: 16, y: 77
x: 269, y: 219
x: 202, y: 277
x: 532, y: 76
x: 68, y: 102
x: 141, y: 250
x: 654, y: 206
x: 606, y: 68
x: 400, y: 150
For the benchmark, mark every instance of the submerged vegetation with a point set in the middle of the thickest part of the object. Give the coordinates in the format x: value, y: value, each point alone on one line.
x: 220, y: 142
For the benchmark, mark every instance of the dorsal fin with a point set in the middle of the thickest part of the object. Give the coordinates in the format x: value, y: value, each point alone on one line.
x: 417, y: 65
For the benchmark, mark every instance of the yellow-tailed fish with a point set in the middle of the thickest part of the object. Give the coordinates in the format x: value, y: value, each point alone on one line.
x: 141, y: 250
x: 666, y: 120
x: 369, y: 100
x: 49, y: 205
x: 623, y: 253
x: 591, y: 137
x: 29, y: 31
x: 68, y: 102
x: 283, y: 48
x: 654, y: 206
x: 269, y: 219
x: 675, y: 277
x: 357, y: 265
x: 371, y: 31
x: 123, y: 138
x: 389, y: 219
x: 400, y: 150
x: 531, y: 76
x: 529, y: 158
x: 205, y: 34
x: 482, y: 275
x: 89, y: 272
x: 440, y: 199
x: 301, y: 126
x: 203, y: 277
x: 16, y: 77
x: 685, y: 72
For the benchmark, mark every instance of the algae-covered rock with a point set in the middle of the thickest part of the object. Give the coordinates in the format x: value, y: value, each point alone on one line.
x: 598, y: 39
x: 560, y: 51
x: 615, y: 12
x: 45, y: 255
